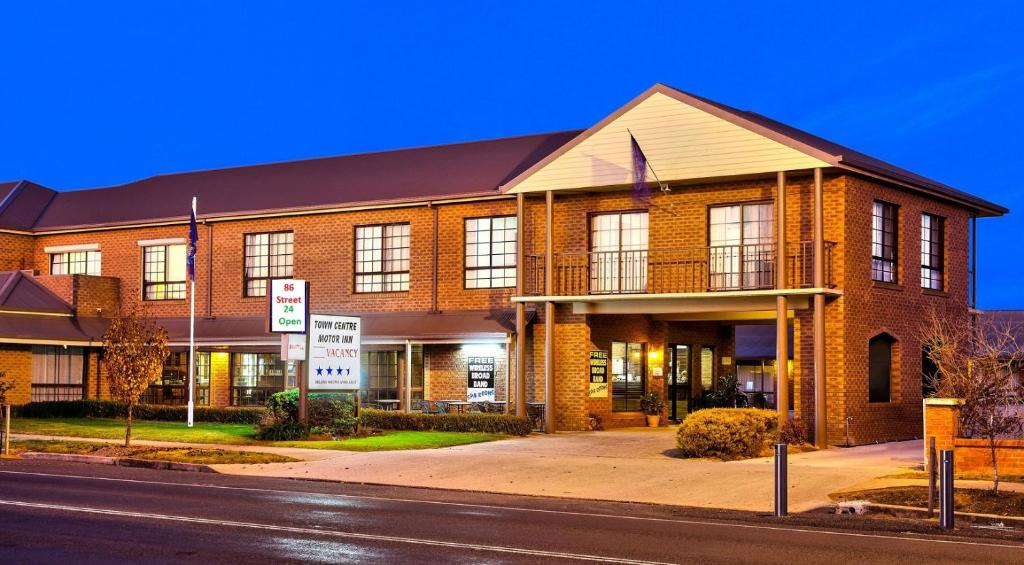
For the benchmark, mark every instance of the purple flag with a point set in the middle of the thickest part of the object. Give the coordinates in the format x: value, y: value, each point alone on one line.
x: 640, y: 190
x: 193, y: 242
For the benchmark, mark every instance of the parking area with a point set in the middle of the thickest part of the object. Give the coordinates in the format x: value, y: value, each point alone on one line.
x: 635, y: 465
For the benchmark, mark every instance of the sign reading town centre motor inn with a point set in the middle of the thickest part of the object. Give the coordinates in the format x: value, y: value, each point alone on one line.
x: 332, y: 358
x: 288, y: 298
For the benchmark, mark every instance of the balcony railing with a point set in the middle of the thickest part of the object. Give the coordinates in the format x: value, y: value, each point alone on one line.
x: 694, y: 269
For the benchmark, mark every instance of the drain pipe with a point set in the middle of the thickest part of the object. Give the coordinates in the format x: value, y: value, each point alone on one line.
x: 433, y: 298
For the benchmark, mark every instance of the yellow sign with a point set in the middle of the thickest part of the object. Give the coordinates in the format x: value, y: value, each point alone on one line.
x: 599, y: 374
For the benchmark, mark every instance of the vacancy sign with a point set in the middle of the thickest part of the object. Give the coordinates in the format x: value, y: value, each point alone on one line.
x: 288, y: 299
x: 333, y: 352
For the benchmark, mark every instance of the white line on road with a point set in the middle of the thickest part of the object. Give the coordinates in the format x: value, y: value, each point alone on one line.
x: 521, y: 509
x: 333, y: 533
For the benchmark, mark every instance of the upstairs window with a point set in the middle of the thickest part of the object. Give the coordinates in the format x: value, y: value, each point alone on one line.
x: 75, y: 263
x: 932, y: 242
x: 382, y: 258
x: 883, y: 242
x: 268, y: 256
x: 618, y: 252
x: 163, y: 272
x: 741, y: 250
x: 491, y: 252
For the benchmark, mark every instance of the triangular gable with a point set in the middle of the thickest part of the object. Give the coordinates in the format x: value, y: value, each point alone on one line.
x: 683, y: 137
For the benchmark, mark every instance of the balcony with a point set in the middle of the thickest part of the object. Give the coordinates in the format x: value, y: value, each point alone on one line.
x: 677, y: 270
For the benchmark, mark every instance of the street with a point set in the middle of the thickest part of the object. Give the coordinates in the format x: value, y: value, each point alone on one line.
x: 52, y: 513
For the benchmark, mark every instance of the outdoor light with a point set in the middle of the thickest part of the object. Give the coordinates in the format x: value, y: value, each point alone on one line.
x: 653, y: 355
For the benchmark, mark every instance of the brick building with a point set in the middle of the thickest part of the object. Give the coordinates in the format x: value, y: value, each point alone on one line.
x: 534, y: 251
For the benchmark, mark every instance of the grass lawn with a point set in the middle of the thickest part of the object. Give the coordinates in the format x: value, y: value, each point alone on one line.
x: 238, y: 434
x: 964, y: 500
x: 178, y: 455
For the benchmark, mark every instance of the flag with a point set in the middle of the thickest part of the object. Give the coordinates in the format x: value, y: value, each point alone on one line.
x: 640, y: 190
x: 193, y: 242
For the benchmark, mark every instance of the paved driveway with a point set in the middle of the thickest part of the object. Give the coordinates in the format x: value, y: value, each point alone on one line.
x: 636, y: 465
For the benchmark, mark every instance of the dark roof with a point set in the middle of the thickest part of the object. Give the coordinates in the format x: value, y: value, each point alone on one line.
x: 15, y: 327
x: 442, y: 171
x: 23, y: 203
x: 376, y: 325
x: 22, y: 293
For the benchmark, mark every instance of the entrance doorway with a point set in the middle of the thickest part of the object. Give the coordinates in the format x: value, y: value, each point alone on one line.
x: 679, y: 386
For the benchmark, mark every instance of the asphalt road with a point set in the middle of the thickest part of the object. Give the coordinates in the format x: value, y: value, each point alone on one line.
x: 68, y: 513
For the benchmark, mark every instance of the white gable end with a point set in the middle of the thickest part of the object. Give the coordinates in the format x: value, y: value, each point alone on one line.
x: 681, y: 142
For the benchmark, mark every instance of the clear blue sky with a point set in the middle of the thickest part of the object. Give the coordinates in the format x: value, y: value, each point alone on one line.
x: 92, y: 95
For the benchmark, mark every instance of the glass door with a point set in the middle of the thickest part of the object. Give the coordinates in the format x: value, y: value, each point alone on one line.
x: 679, y: 382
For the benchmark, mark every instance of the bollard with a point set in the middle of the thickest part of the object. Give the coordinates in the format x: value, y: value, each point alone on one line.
x: 946, y: 490
x: 932, y: 471
x: 781, y: 481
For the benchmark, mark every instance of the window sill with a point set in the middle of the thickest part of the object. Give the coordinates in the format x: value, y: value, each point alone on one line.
x: 933, y: 292
x: 887, y: 286
x: 379, y: 293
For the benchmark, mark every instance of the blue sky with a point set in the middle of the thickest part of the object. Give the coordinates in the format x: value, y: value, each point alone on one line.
x: 101, y: 93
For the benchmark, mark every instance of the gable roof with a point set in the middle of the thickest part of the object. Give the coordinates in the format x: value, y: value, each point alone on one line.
x: 22, y: 204
x: 827, y: 152
x: 405, y: 175
x: 21, y: 293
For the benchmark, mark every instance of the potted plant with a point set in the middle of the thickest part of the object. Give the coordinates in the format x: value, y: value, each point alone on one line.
x: 651, y: 404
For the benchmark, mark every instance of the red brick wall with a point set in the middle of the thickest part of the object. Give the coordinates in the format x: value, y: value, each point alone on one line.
x: 16, y: 362
x: 969, y: 455
x: 16, y: 252
x: 446, y: 370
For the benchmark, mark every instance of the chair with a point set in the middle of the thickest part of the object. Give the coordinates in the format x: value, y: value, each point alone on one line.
x: 535, y: 412
x: 424, y: 406
x: 442, y: 407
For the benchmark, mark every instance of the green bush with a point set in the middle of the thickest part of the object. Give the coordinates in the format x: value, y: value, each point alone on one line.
x: 113, y: 409
x: 486, y: 423
x: 727, y: 433
x: 328, y: 413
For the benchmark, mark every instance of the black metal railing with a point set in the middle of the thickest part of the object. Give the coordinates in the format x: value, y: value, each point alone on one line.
x: 657, y: 271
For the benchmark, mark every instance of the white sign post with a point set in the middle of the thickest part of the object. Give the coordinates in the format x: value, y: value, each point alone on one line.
x: 333, y: 352
x: 288, y: 300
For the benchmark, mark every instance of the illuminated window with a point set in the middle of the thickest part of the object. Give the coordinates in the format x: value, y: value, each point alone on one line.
x: 163, y: 272
x: 883, y: 242
x: 628, y: 373
x: 931, y: 251
x: 382, y: 258
x: 618, y: 252
x: 75, y: 263
x: 491, y: 252
x: 268, y: 256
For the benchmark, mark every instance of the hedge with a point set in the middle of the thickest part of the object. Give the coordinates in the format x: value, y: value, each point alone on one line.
x: 113, y: 409
x: 727, y: 433
x: 486, y: 423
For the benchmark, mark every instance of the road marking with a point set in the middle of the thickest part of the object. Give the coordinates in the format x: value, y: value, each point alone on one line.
x: 535, y: 510
x: 333, y: 533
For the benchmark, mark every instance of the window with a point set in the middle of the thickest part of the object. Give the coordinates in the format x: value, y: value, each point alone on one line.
x: 880, y: 368
x: 75, y: 263
x: 627, y: 375
x: 172, y: 388
x: 57, y: 373
x: 416, y: 391
x: 929, y: 373
x: 931, y: 251
x: 707, y: 368
x: 163, y: 272
x: 491, y: 252
x: 883, y: 242
x: 741, y: 241
x: 256, y: 376
x: 268, y: 256
x: 379, y: 375
x: 382, y: 258
x: 618, y: 258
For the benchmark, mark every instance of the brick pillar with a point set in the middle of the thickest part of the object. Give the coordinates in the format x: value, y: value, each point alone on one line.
x: 940, y: 422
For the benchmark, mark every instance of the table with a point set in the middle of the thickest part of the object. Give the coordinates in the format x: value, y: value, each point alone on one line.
x: 389, y: 404
x: 458, y: 405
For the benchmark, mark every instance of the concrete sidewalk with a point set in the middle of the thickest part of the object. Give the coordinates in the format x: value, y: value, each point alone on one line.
x: 630, y: 465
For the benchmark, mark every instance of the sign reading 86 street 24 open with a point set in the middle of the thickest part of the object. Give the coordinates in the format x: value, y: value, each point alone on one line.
x: 288, y: 298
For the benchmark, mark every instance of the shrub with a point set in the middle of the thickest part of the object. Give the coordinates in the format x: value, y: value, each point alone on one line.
x: 487, y: 423
x: 793, y: 432
x: 727, y: 433
x: 328, y: 413
x: 275, y: 425
x: 113, y: 409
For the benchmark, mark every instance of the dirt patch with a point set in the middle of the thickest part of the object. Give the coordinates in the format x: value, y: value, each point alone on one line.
x: 151, y: 453
x: 964, y: 500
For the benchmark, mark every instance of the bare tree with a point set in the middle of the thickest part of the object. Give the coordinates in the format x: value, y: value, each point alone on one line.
x: 5, y: 385
x: 975, y: 357
x: 135, y: 351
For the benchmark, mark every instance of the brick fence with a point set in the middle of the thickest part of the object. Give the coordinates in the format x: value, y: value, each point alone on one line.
x: 970, y: 455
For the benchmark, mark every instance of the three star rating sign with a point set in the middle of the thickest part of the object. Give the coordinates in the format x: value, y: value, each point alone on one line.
x: 329, y: 370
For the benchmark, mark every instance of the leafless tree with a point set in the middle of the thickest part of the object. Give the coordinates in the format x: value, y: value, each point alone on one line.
x: 6, y: 384
x: 135, y: 351
x: 976, y: 357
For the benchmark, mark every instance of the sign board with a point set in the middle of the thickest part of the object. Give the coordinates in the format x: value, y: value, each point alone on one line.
x: 288, y: 298
x: 599, y: 374
x: 333, y: 352
x: 293, y: 347
x: 480, y: 373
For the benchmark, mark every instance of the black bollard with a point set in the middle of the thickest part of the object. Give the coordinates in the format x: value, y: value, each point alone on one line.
x: 946, y: 490
x: 781, y: 480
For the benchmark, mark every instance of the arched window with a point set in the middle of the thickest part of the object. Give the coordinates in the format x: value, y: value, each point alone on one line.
x: 880, y: 368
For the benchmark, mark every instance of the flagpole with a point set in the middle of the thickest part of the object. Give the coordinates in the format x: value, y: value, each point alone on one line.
x: 192, y: 334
